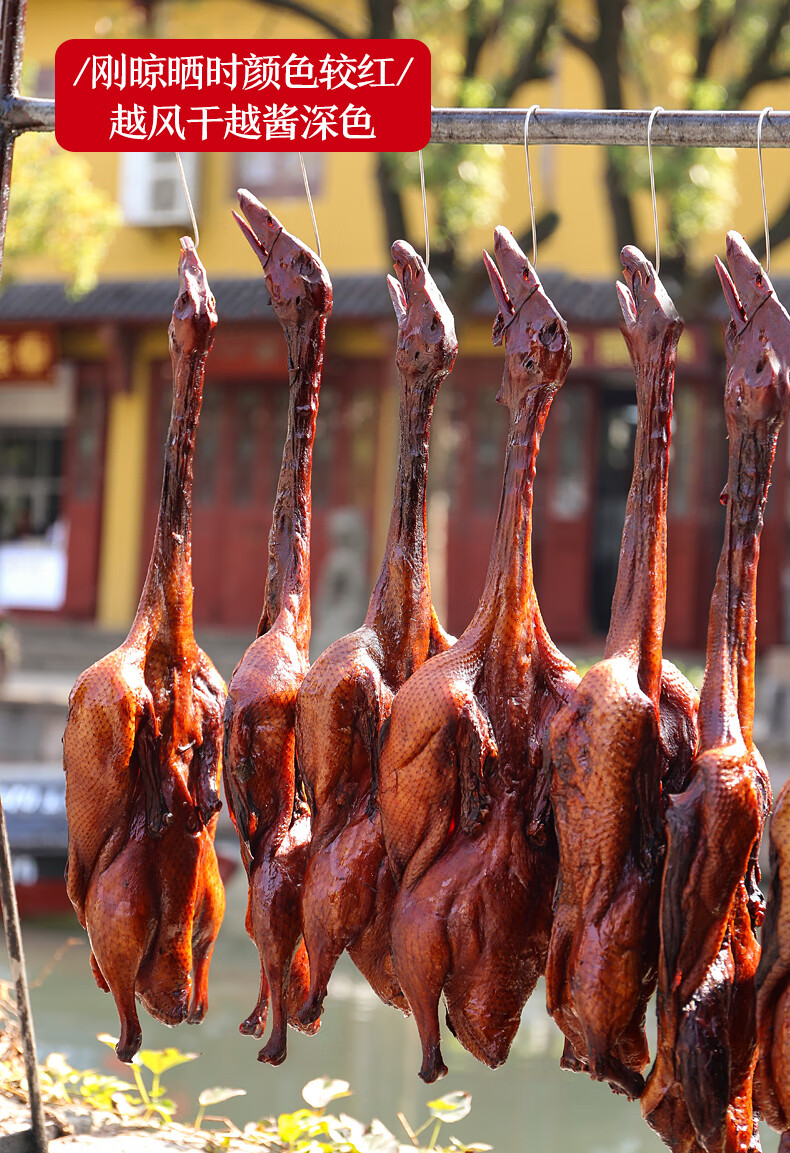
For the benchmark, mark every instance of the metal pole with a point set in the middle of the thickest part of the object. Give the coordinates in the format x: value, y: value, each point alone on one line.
x: 28, y: 114
x: 16, y: 957
x: 627, y: 126
x: 608, y: 126
x: 12, y: 38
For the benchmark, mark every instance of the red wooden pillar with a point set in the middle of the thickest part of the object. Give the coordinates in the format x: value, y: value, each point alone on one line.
x: 566, y: 483
x: 83, y: 488
x: 772, y: 558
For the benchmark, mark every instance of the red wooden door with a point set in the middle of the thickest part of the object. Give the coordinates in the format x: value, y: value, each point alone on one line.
x: 237, y: 464
x: 474, y: 479
x: 564, y: 484
x: 84, y: 484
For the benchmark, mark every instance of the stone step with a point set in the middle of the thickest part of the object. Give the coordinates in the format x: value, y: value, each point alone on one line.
x: 68, y: 647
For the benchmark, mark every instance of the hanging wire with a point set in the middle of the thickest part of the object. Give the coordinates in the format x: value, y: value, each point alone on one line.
x: 310, y: 202
x: 425, y: 215
x: 188, y: 198
x: 651, y: 118
x: 760, y: 119
x: 534, y: 108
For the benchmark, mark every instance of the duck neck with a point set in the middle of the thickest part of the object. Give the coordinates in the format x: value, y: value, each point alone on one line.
x: 727, y: 697
x: 403, y: 592
x: 166, y: 600
x: 639, y: 603
x: 288, y: 574
x: 509, y: 594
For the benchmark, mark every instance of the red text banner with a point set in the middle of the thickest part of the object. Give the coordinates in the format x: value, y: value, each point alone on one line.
x: 242, y: 95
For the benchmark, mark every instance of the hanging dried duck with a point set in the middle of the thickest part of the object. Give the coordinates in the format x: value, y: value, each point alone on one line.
x: 272, y: 821
x: 348, y: 890
x: 463, y: 788
x: 142, y: 747
x: 607, y: 749
x: 710, y: 901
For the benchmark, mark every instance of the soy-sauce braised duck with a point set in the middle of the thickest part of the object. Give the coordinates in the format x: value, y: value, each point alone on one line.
x: 607, y: 751
x: 272, y: 820
x: 142, y: 749
x: 463, y: 787
x: 348, y: 889
x: 769, y: 333
x: 772, y: 1075
x: 710, y: 901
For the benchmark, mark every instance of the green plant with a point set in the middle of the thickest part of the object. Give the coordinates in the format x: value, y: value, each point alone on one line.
x: 214, y: 1097
x: 314, y: 1130
x: 60, y: 1083
x: 306, y: 1130
x: 55, y: 211
x: 152, y: 1104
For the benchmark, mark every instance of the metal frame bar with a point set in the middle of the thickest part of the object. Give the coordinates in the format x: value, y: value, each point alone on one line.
x: 12, y: 38
x: 624, y: 126
x: 608, y: 126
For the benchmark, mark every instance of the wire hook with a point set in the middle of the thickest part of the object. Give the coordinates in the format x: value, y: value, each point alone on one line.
x: 651, y: 118
x: 425, y: 215
x: 533, y: 108
x: 760, y: 119
x: 188, y: 198
x: 310, y: 203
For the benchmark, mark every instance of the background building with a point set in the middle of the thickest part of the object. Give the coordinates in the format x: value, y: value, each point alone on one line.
x: 85, y: 381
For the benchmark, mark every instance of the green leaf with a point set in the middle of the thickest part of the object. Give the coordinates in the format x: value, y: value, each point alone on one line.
x: 57, y: 211
x: 377, y: 1139
x: 216, y: 1094
x: 344, y: 1130
x: 477, y: 1147
x: 217, y: 1145
x: 160, y: 1060
x: 162, y: 1112
x: 126, y: 1106
x: 293, y: 1125
x: 451, y: 1107
x: 322, y: 1090
x: 58, y: 1066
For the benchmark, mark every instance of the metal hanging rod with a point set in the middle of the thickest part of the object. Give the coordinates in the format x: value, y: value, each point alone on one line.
x: 27, y: 114
x: 547, y: 125
x: 608, y: 126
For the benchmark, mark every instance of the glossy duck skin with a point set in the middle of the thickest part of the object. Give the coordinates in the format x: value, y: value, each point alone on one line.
x: 348, y: 889
x: 463, y: 782
x: 142, y: 749
x: 710, y: 902
x: 272, y: 822
x: 607, y: 751
x: 772, y: 1076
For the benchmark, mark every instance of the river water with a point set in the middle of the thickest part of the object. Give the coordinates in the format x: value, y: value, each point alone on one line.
x: 528, y: 1104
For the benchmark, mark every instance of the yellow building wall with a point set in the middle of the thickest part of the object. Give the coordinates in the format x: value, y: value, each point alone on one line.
x: 123, y: 496
x: 569, y: 179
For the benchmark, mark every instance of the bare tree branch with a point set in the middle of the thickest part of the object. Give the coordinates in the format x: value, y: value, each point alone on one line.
x: 529, y: 65
x: 710, y: 33
x: 762, y: 57
x: 476, y: 36
x: 317, y: 17
x: 381, y: 17
x: 581, y: 43
x: 605, y: 52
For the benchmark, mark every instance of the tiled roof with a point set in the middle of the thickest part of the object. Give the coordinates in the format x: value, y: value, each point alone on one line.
x: 357, y: 297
